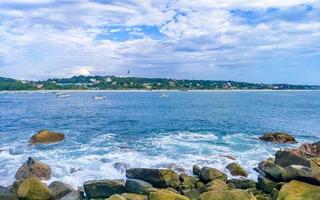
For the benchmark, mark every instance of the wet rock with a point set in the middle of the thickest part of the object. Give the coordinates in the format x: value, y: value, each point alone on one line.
x: 33, y: 189
x: 46, y: 137
x: 272, y: 170
x: 60, y: 189
x: 196, y: 170
x: 208, y: 174
x: 235, y: 194
x: 266, y: 184
x: 6, y: 194
x: 159, y: 178
x: 166, y: 195
x: 236, y: 170
x: 286, y: 158
x: 278, y: 137
x: 137, y: 186
x: 103, y: 188
x: 295, y: 190
x: 116, y: 197
x: 74, y: 170
x: 121, y: 166
x: 33, y: 168
x: 132, y: 196
x: 242, y: 183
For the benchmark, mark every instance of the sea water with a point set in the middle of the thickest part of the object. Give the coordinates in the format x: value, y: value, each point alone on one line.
x: 141, y: 129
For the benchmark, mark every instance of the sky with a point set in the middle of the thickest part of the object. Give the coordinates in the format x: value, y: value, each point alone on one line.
x: 260, y: 41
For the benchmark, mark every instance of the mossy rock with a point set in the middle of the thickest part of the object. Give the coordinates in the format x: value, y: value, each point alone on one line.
x: 208, y: 174
x: 236, y: 170
x: 116, y: 197
x: 242, y: 183
x: 132, y: 196
x: 160, y: 178
x: 166, y: 195
x: 295, y: 190
x: 235, y: 194
x: 104, y: 188
x: 137, y: 186
x: 33, y: 189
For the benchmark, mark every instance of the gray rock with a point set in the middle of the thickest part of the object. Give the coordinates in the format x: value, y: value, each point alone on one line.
x: 272, y: 170
x: 137, y: 186
x: 196, y: 170
x: 60, y: 189
x: 208, y: 174
x: 103, y: 188
x: 297, y: 172
x: 6, y: 194
x: 159, y: 178
x: 33, y: 168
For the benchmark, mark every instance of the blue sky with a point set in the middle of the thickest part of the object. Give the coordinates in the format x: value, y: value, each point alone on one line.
x: 268, y: 41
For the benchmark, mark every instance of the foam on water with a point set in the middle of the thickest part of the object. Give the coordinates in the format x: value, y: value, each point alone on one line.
x: 139, y: 130
x: 178, y: 150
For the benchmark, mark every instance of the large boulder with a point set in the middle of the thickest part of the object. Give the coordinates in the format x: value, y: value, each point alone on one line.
x: 286, y: 158
x: 46, y: 137
x: 74, y: 195
x: 295, y: 190
x: 104, y: 188
x: 33, y: 168
x: 6, y: 194
x: 297, y: 172
x: 235, y: 194
x: 60, y: 189
x: 278, y: 137
x: 33, y: 189
x: 208, y: 174
x: 215, y: 185
x: 166, y: 195
x: 272, y: 170
x: 159, y: 178
x: 236, y: 170
x: 137, y: 186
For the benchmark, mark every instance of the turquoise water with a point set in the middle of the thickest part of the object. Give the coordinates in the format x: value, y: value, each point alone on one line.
x: 140, y: 129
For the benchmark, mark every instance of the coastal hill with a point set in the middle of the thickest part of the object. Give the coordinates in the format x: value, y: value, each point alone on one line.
x: 137, y: 83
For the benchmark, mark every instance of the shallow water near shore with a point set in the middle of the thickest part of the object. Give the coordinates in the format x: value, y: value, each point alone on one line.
x: 140, y: 129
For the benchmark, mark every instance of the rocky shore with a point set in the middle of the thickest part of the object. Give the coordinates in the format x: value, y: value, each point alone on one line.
x: 292, y: 174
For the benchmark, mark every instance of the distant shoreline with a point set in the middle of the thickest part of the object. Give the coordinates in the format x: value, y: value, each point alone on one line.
x: 135, y: 90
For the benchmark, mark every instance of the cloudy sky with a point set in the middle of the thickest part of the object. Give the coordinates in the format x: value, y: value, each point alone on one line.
x: 266, y: 41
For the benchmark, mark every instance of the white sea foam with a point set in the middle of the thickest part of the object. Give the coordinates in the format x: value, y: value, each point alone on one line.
x: 178, y: 150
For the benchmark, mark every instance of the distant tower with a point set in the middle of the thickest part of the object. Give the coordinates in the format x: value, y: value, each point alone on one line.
x: 128, y: 73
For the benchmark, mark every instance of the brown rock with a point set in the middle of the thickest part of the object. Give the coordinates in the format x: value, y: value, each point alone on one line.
x: 33, y: 168
x: 46, y: 137
x: 278, y: 137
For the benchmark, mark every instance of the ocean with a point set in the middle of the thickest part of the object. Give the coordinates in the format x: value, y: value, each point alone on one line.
x: 141, y: 129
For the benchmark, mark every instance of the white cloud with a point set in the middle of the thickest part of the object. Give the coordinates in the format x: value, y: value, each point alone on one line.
x: 60, y: 39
